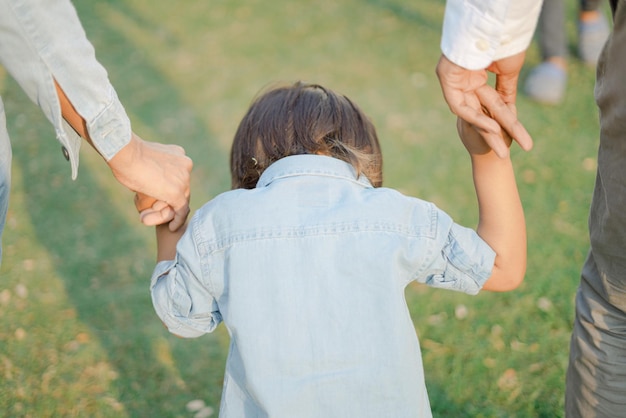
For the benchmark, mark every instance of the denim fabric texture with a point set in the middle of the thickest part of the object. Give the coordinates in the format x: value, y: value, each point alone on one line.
x: 308, y: 273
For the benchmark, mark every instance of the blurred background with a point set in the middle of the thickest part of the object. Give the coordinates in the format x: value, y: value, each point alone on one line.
x: 78, y: 335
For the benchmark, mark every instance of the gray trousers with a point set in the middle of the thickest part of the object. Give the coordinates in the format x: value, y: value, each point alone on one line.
x: 551, y: 27
x: 596, y: 375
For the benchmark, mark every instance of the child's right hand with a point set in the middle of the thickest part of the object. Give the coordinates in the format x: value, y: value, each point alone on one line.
x: 473, y: 141
x: 153, y: 212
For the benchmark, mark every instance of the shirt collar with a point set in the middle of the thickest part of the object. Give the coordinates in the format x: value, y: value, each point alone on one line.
x: 311, y: 165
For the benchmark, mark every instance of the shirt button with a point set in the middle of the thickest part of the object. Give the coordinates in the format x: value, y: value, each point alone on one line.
x: 66, y: 153
x: 482, y: 45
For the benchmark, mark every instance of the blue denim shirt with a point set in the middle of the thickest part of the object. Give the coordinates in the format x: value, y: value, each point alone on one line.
x: 308, y: 272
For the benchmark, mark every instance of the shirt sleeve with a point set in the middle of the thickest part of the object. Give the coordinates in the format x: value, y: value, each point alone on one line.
x: 461, y: 259
x: 478, y: 32
x: 43, y: 41
x: 181, y: 300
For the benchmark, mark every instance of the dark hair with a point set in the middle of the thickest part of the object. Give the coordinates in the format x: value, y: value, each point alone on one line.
x: 303, y: 119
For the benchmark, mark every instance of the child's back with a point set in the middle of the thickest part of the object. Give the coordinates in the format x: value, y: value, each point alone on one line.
x: 308, y: 272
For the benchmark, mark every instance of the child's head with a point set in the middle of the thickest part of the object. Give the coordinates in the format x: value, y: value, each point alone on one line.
x: 303, y: 119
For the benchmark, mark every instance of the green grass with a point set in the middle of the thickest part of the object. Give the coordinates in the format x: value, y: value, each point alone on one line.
x: 78, y: 336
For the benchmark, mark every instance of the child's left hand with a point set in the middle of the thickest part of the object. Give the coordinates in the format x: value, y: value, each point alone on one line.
x: 473, y: 141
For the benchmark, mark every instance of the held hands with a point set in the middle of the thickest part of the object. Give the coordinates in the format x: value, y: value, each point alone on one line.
x: 474, y: 142
x: 153, y: 212
x: 160, y: 174
x: 148, y: 168
x: 490, y: 111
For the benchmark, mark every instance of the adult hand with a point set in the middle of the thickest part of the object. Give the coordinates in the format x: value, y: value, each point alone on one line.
x: 489, y: 110
x: 157, y: 172
x: 160, y: 171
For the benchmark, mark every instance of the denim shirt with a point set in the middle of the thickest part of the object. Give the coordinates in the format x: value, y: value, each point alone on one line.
x: 308, y: 272
x: 43, y: 40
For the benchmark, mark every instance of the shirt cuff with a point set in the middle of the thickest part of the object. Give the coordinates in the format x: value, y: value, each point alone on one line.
x: 174, y: 306
x: 110, y: 130
x: 476, y: 34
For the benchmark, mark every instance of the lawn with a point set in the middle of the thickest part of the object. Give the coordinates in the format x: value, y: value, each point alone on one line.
x: 78, y: 336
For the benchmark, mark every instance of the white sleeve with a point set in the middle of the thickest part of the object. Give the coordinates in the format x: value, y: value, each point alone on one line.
x: 478, y: 32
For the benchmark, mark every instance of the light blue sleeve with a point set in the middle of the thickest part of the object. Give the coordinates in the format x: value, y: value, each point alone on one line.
x: 462, y: 261
x: 43, y: 41
x: 180, y: 298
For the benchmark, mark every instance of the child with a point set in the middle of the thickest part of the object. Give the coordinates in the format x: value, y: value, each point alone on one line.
x: 307, y: 259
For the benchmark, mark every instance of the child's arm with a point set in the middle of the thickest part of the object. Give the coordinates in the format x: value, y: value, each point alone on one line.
x: 166, y: 247
x: 501, y: 216
x: 167, y: 240
x: 181, y: 300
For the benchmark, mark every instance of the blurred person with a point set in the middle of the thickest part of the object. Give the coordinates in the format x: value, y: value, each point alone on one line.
x: 547, y: 82
x: 44, y: 48
x: 596, y: 375
x: 307, y: 258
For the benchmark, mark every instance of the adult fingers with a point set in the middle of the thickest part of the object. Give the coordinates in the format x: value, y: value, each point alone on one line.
x: 506, y: 86
x: 495, y: 141
x: 467, y: 106
x: 507, y: 76
x: 180, y: 216
x: 505, y: 115
x: 179, y: 189
x: 487, y: 127
x: 180, y: 207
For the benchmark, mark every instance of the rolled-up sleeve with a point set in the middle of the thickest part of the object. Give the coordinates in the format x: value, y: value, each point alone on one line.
x: 462, y: 260
x: 478, y: 32
x: 180, y: 298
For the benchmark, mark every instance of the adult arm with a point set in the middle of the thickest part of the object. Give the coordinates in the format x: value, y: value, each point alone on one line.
x: 501, y: 216
x: 151, y: 169
x: 44, y: 47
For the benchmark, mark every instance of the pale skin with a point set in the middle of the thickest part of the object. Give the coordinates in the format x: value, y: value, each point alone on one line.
x: 501, y: 216
x: 487, y: 125
x: 491, y: 111
x: 159, y: 173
